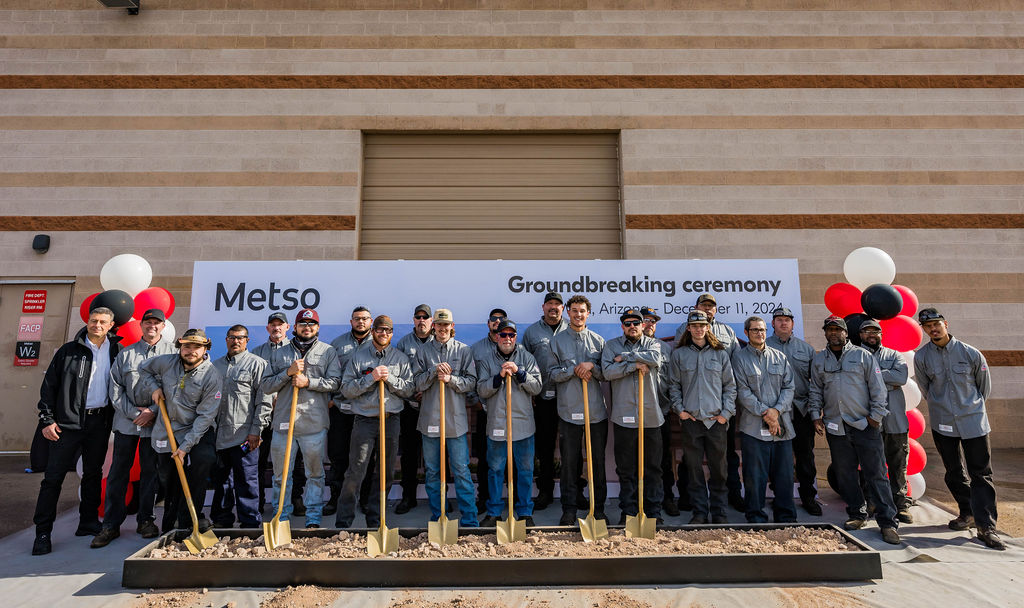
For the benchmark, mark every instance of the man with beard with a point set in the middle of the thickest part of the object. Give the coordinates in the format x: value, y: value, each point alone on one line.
x: 277, y: 332
x: 508, y: 360
x: 623, y: 360
x: 134, y: 416
x: 375, y: 361
x: 669, y: 505
x: 409, y: 444
x: 537, y: 340
x: 895, y: 426
x: 480, y: 349
x: 577, y: 359
x: 955, y: 380
x: 799, y: 355
x: 847, y: 404
x: 446, y: 360
x: 311, y: 366
x: 190, y: 386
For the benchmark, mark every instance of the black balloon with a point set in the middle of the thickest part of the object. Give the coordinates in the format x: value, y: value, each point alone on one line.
x: 118, y: 301
x: 853, y: 323
x: 881, y: 301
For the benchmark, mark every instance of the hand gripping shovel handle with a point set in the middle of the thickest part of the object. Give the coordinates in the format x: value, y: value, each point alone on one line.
x: 640, y: 443
x: 586, y: 434
x: 444, y: 450
x: 508, y: 442
x: 380, y: 457
x: 285, y: 477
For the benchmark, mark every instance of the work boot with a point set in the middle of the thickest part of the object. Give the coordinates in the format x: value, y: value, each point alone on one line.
x: 670, y: 508
x: 961, y: 523
x: 298, y: 508
x: 854, y: 524
x: 905, y: 517
x: 736, y: 502
x: 812, y: 506
x: 528, y: 520
x: 312, y: 526
x: 599, y: 514
x: 719, y: 519
x: 545, y: 498
x: 568, y: 518
x: 88, y: 528
x: 147, y: 529
x: 582, y: 502
x: 698, y: 519
x: 104, y: 537
x: 405, y: 505
x: 489, y: 521
x: 991, y: 539
x: 42, y: 545
x: 891, y: 536
x: 331, y: 508
x: 684, y: 503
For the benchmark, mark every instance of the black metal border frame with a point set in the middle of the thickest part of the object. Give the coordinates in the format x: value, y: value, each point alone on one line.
x: 141, y: 571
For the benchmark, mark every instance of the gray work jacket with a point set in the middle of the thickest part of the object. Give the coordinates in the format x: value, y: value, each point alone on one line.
x: 363, y: 392
x: 244, y: 409
x: 124, y: 378
x: 324, y: 375
x: 625, y: 384
x: 537, y: 340
x: 409, y: 344
x: 664, y: 400
x: 345, y: 345
x: 569, y: 349
x: 480, y: 349
x: 764, y: 379
x: 266, y: 350
x: 192, y: 398
x: 723, y: 332
x: 956, y: 382
x: 799, y: 354
x: 463, y: 380
x: 848, y: 390
x: 525, y: 384
x: 701, y: 383
x: 895, y: 374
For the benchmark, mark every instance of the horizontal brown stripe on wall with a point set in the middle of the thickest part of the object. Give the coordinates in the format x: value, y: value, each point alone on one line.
x: 937, y: 287
x: 177, y: 179
x: 178, y: 223
x: 1004, y: 358
x: 533, y: 81
x: 832, y: 221
x: 509, y: 42
x: 502, y: 123
x: 823, y: 178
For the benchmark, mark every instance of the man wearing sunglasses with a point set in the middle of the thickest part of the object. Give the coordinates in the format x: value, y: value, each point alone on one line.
x: 409, y: 444
x: 670, y: 506
x: 480, y: 349
x: 377, y: 360
x: 277, y: 337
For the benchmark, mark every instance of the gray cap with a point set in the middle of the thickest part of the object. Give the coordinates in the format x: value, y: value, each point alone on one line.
x: 424, y: 309
x: 507, y: 324
x: 277, y: 316
x: 706, y: 297
x: 782, y: 311
x: 869, y: 323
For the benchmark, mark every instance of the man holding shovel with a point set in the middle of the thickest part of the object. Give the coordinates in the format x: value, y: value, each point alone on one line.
x: 375, y: 362
x: 505, y: 360
x: 190, y: 386
x: 311, y: 366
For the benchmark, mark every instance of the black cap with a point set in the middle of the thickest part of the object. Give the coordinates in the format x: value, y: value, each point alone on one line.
x: 507, y: 324
x: 154, y: 313
x: 782, y: 311
x: 277, y: 316
x: 647, y: 311
x: 500, y: 311
x: 929, y: 314
x: 553, y: 295
x: 697, y: 317
x: 424, y: 309
x: 835, y: 320
x: 869, y: 323
x: 632, y: 313
x: 706, y: 297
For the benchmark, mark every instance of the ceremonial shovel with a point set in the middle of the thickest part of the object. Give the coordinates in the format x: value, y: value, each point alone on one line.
x: 198, y: 540
x: 640, y: 526
x: 512, y: 529
x: 277, y: 533
x: 444, y: 531
x: 591, y: 529
x: 383, y: 540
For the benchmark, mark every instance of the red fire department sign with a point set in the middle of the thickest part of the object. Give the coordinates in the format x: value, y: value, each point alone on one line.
x: 34, y: 301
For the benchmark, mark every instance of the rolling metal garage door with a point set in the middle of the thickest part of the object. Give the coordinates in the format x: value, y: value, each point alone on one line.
x: 522, y: 196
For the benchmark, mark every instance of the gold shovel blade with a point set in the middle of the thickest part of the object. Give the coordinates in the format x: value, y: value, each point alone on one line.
x: 510, y: 530
x: 640, y: 526
x: 382, y: 542
x: 200, y: 540
x: 277, y: 533
x: 443, y: 531
x: 593, y: 529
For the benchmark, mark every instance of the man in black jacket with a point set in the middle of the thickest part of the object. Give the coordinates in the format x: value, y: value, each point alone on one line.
x: 75, y: 412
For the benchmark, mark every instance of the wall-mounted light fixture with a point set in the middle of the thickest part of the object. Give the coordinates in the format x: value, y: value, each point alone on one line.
x: 41, y: 243
x: 133, y: 6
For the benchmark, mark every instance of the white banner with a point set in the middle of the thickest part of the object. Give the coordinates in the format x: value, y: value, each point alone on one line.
x: 226, y: 293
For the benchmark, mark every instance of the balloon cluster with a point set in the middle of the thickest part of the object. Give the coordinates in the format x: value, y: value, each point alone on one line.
x: 125, y: 279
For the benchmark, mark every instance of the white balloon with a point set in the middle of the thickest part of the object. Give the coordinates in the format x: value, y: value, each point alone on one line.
x: 867, y: 266
x: 128, y: 272
x: 169, y: 333
x: 912, y: 393
x: 917, y: 485
x: 909, y: 357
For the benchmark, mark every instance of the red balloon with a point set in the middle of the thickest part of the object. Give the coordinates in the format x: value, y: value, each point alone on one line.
x: 917, y: 460
x: 842, y: 299
x: 901, y: 333
x: 136, y: 471
x: 103, y: 496
x: 130, y: 332
x: 153, y: 297
x: 910, y: 301
x: 916, y: 420
x: 83, y: 310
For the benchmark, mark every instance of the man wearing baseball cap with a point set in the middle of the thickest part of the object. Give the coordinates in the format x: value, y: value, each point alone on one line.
x: 370, y: 364
x: 480, y: 349
x: 669, y: 505
x: 799, y: 355
x: 134, y: 417
x: 311, y: 366
x: 191, y: 388
x: 623, y: 360
x: 537, y: 340
x: 847, y: 403
x: 955, y: 379
x: 409, y: 444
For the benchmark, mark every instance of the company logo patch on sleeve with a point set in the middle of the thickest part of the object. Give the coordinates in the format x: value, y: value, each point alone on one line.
x: 217, y: 396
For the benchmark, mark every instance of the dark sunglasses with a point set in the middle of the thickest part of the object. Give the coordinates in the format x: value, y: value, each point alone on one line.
x: 633, y: 323
x: 507, y: 334
x: 421, y: 317
x: 494, y: 318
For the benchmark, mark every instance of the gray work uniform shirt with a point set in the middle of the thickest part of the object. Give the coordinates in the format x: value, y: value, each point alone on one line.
x: 625, y: 383
x: 192, y: 397
x: 480, y: 349
x: 569, y: 349
x: 244, y: 409
x: 363, y: 392
x: 463, y: 380
x: 895, y: 374
x: 956, y: 382
x: 324, y: 375
x: 409, y: 344
x: 345, y: 345
x: 701, y: 383
x: 525, y: 384
x: 848, y: 389
x: 764, y: 380
x: 723, y: 332
x: 664, y: 400
x: 124, y: 379
x: 799, y: 354
x: 537, y: 340
x: 266, y: 350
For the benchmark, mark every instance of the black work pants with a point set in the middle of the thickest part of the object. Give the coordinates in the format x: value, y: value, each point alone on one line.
x: 732, y: 459
x: 626, y: 467
x: 897, y: 451
x: 478, y: 447
x: 803, y: 455
x: 365, y: 443
x: 699, y: 441
x: 198, y: 465
x: 864, y: 448
x: 410, y: 448
x: 667, y: 465
x: 339, y: 444
x: 972, y: 488
x: 545, y: 415
x: 119, y: 476
x: 571, y: 444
